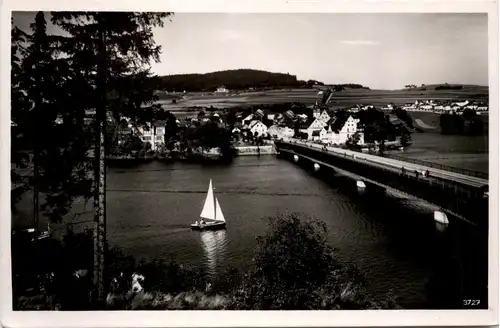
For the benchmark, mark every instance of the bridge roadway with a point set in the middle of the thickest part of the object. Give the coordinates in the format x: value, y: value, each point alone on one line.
x: 397, y: 165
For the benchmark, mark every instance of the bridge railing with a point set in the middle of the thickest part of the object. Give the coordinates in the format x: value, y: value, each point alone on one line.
x: 440, y: 166
x: 464, y: 203
x: 443, y: 167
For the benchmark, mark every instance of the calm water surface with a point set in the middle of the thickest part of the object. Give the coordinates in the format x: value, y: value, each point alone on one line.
x: 392, y: 240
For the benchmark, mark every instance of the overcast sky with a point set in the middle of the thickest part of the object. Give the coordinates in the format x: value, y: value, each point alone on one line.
x: 377, y: 50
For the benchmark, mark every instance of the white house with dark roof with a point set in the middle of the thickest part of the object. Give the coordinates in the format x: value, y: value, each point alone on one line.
x: 316, y: 125
x: 258, y: 127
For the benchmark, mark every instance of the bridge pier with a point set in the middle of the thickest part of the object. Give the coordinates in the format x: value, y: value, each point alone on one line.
x: 441, y: 217
x: 366, y: 187
x: 361, y: 186
x: 441, y: 220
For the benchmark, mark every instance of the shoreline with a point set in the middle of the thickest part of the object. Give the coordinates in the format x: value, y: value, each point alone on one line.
x: 239, y: 151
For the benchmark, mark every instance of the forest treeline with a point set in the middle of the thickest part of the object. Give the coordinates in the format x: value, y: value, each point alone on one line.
x: 231, y: 79
x: 239, y: 79
x: 469, y: 123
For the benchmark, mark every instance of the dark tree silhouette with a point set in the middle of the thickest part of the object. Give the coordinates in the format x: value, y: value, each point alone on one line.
x: 108, y: 52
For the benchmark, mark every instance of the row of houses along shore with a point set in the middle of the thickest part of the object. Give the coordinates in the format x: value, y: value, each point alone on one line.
x: 443, y: 106
x: 324, y: 126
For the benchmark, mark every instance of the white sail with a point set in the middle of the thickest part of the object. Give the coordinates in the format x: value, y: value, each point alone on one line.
x: 208, y: 211
x: 218, y: 212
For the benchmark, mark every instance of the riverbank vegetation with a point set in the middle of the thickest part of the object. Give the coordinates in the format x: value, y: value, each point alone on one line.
x: 188, y: 142
x: 468, y: 123
x: 293, y: 269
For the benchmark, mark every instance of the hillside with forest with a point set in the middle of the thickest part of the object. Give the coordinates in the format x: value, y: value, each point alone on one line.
x: 231, y: 79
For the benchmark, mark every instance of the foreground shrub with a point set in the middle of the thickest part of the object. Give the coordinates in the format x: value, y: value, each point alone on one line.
x: 295, y: 269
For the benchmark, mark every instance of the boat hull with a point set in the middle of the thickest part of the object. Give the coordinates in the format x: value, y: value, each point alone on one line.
x: 209, y: 226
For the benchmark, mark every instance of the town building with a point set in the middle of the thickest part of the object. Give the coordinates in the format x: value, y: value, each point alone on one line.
x: 247, y: 120
x: 290, y: 114
x: 222, y: 89
x: 279, y: 132
x: 302, y: 117
x: 316, y: 112
x: 259, y: 114
x: 337, y: 131
x: 258, y: 127
x: 318, y: 135
x: 153, y: 133
x: 316, y: 125
x: 302, y: 126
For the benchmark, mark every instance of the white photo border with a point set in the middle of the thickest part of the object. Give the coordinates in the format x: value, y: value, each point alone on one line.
x: 9, y: 318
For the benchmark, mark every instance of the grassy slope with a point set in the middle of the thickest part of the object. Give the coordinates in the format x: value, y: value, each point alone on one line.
x: 357, y: 96
x: 341, y: 99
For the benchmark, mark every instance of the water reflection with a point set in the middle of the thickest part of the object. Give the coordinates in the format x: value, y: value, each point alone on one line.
x: 441, y: 227
x: 214, y: 245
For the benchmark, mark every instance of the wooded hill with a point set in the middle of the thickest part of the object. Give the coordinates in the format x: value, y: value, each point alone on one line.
x: 231, y: 79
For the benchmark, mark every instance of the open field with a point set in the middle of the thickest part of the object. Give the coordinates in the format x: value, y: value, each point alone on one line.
x: 199, y: 99
x: 345, y: 98
x: 381, y: 97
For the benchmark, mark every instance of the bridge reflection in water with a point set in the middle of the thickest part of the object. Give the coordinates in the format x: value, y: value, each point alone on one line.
x: 214, y: 244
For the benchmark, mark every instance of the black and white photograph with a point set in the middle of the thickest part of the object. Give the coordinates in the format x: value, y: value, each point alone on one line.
x: 184, y: 160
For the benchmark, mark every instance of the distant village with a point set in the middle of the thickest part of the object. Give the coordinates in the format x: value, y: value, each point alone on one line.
x: 444, y: 106
x: 263, y: 124
x: 324, y: 126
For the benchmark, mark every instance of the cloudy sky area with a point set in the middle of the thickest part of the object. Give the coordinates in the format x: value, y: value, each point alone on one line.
x: 377, y: 50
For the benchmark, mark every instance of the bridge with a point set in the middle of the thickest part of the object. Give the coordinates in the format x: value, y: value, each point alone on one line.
x: 459, y: 193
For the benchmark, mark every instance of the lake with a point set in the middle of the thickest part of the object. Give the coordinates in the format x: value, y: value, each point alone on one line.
x: 391, y: 239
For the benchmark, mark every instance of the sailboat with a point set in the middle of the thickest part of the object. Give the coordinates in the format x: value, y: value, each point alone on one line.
x: 211, y: 217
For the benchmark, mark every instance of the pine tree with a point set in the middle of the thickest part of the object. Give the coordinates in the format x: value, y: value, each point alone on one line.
x: 44, y: 123
x: 108, y: 52
x: 38, y: 59
x: 19, y: 116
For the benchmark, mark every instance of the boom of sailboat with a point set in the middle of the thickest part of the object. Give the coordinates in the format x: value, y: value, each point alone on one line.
x: 211, y: 217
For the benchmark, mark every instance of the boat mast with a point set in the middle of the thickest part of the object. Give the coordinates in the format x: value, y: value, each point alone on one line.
x: 215, y: 204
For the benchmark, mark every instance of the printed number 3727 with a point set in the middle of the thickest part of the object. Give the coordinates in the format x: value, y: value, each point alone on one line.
x: 471, y: 302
